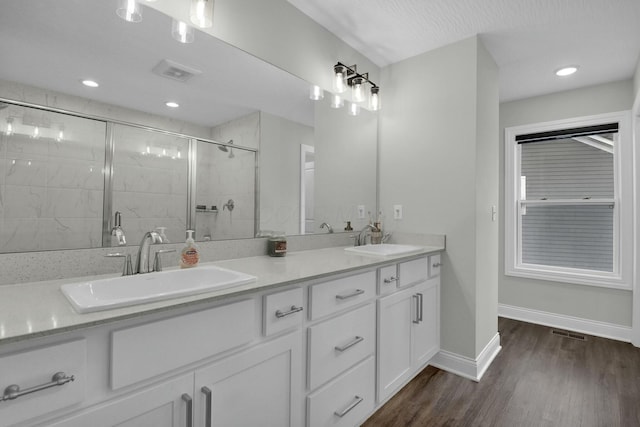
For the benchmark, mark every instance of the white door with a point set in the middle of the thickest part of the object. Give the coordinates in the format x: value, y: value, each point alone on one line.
x: 395, y: 314
x: 426, y: 333
x: 258, y: 387
x: 163, y: 405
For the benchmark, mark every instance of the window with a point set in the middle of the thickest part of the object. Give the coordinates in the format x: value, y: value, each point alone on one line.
x: 568, y: 201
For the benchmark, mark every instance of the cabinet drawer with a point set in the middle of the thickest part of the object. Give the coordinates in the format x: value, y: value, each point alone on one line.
x: 37, y: 367
x: 412, y: 272
x: 434, y: 265
x: 345, y: 401
x: 387, y: 279
x: 339, y: 343
x: 282, y: 310
x: 329, y: 297
x: 142, y: 352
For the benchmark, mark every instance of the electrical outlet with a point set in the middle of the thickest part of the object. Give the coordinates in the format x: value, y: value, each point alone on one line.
x: 361, y: 210
x: 397, y: 211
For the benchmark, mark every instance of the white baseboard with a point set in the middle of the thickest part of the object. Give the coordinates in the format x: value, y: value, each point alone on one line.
x: 467, y: 367
x: 585, y: 326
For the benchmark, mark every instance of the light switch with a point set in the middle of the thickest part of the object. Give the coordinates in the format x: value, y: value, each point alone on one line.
x: 494, y: 213
x: 361, y: 211
x: 397, y: 211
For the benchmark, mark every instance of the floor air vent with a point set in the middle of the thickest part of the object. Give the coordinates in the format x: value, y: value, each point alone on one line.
x: 568, y: 334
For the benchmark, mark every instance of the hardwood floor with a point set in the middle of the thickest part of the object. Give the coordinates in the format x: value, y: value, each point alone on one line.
x: 538, y: 379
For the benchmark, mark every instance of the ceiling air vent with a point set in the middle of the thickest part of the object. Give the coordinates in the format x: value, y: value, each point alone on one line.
x: 175, y: 71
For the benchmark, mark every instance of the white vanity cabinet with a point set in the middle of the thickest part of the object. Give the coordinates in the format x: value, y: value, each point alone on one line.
x: 408, y: 327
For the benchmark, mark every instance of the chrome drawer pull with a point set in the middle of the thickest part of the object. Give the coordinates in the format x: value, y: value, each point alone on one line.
x: 437, y: 264
x: 356, y: 401
x: 13, y: 391
x: 294, y: 309
x: 351, y: 295
x: 189, y: 402
x: 207, y: 393
x: 391, y: 279
x: 355, y: 341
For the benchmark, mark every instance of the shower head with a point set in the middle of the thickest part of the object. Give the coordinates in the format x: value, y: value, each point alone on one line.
x: 226, y: 149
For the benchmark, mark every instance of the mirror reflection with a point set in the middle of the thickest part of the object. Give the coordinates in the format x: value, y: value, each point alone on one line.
x: 266, y: 158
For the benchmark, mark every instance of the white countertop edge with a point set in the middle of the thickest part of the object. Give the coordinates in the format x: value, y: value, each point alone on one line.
x: 38, y: 309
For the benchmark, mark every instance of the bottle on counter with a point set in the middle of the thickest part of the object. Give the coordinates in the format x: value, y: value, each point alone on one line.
x: 190, y: 255
x: 277, y: 245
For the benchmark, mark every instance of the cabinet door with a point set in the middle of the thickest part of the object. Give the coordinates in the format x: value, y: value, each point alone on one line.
x: 426, y: 333
x: 159, y: 406
x: 395, y: 314
x: 258, y: 387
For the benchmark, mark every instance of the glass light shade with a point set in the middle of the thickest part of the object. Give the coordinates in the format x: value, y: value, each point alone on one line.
x: 336, y: 101
x: 316, y: 93
x: 374, y: 99
x: 129, y: 10
x: 36, y: 132
x: 354, y: 109
x: 9, y: 127
x: 202, y: 13
x: 357, y: 90
x: 339, y: 79
x: 182, y: 32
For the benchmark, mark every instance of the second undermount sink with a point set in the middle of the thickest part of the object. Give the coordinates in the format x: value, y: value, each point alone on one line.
x: 103, y: 294
x: 384, y: 249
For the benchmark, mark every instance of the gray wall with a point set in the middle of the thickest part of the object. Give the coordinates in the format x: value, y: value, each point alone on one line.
x: 438, y: 158
x: 587, y: 302
x: 636, y: 80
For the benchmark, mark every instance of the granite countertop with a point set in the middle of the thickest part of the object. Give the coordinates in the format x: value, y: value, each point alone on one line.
x: 36, y: 309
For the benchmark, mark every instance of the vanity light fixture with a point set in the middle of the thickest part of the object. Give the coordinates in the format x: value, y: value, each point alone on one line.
x: 566, y: 71
x: 182, y: 32
x: 336, y: 101
x: 202, y: 13
x: 316, y: 93
x: 345, y: 76
x: 90, y: 83
x: 129, y: 10
x: 172, y: 104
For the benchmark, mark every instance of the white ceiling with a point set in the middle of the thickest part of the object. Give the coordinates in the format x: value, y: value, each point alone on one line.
x: 529, y: 39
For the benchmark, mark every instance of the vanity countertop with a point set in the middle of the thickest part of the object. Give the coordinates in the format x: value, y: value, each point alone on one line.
x: 36, y: 309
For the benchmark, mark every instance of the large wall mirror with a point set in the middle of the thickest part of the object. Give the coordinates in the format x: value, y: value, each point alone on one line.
x: 245, y: 154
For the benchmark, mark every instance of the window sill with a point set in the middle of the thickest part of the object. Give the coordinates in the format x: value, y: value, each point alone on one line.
x: 573, y: 276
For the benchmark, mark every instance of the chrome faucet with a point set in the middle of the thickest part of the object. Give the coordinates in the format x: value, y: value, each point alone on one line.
x: 361, y: 237
x: 142, y: 263
x: 329, y: 227
x: 117, y: 230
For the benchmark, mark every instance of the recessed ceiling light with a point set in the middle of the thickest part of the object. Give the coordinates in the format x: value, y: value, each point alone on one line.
x: 566, y: 71
x: 172, y: 104
x: 90, y: 83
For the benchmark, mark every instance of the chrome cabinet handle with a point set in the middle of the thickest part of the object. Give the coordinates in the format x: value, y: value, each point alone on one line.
x: 351, y: 295
x: 350, y: 344
x: 391, y: 279
x: 356, y: 401
x: 207, y: 411
x: 189, y: 402
x: 13, y: 391
x: 420, y: 298
x: 280, y: 314
x: 437, y: 264
x: 417, y: 299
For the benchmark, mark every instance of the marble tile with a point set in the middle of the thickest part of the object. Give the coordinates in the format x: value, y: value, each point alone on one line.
x: 24, y: 202
x: 73, y: 203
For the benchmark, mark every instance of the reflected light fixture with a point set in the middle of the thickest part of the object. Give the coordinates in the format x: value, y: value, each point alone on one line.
x: 354, y: 109
x: 316, y: 93
x: 566, y: 71
x: 36, y: 132
x: 9, y: 126
x: 90, y: 83
x: 172, y: 104
x: 202, y: 13
x: 60, y: 136
x: 181, y: 32
x: 129, y: 10
x: 336, y: 101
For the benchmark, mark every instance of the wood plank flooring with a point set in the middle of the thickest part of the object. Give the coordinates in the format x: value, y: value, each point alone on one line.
x: 538, y: 379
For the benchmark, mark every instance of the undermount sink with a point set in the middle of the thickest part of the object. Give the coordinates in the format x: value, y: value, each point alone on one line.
x: 103, y: 294
x: 384, y: 249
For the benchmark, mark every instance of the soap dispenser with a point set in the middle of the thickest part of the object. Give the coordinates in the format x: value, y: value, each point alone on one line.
x: 190, y: 255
